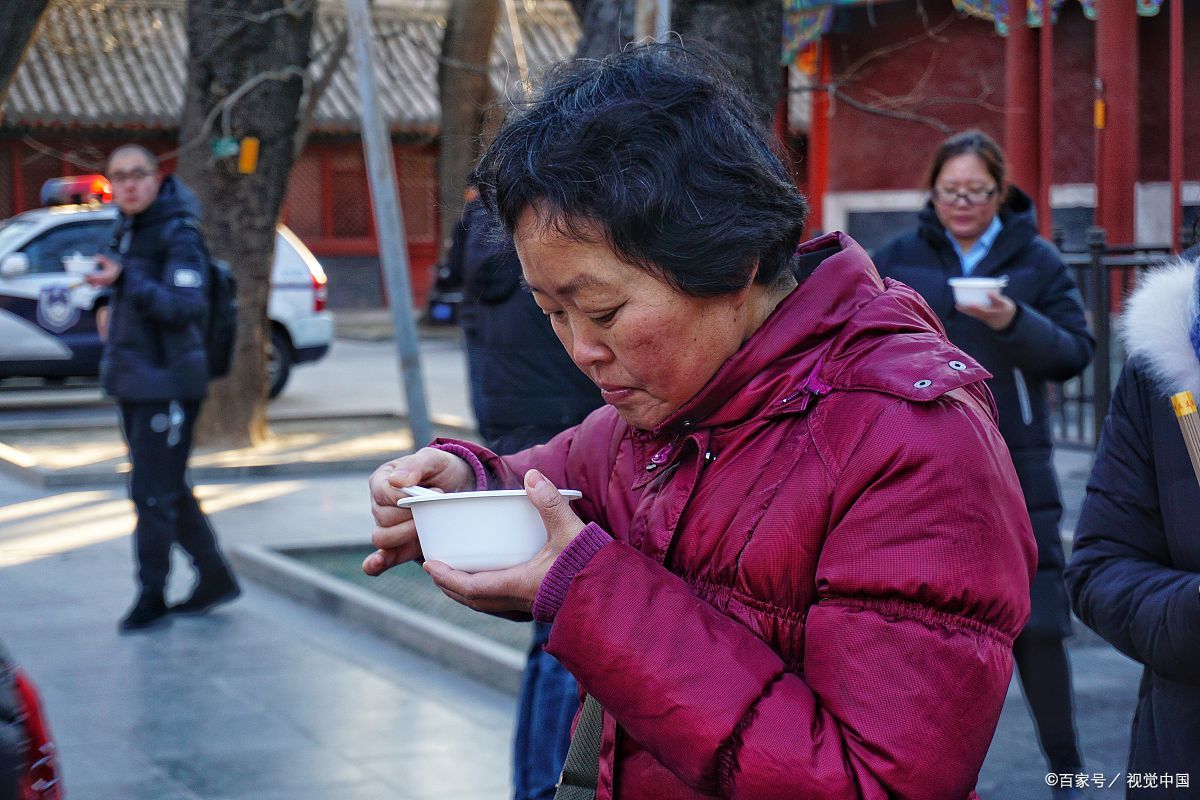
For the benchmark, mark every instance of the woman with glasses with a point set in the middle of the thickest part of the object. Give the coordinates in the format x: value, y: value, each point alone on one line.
x: 1031, y: 332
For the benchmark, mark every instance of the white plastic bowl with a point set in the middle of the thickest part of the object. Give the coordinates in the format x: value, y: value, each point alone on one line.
x: 974, y: 291
x: 477, y: 531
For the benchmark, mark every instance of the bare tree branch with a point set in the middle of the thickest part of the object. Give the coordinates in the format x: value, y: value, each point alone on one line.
x: 317, y: 90
x: 70, y: 158
x: 934, y: 33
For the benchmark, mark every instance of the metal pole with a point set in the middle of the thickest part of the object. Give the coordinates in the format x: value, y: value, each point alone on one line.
x: 1101, y: 377
x: 1175, y: 136
x: 393, y: 251
x: 514, y: 29
x: 662, y: 20
x: 1022, y: 137
x: 1046, y: 120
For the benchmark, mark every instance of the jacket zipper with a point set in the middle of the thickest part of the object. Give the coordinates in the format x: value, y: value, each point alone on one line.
x: 1023, y: 397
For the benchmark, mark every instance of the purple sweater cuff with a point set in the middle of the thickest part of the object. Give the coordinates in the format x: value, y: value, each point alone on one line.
x: 481, y: 482
x: 553, y: 591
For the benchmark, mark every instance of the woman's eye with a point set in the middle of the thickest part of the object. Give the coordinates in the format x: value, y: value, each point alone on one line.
x: 604, y: 316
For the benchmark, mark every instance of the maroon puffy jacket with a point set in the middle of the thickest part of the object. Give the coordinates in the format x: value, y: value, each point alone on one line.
x: 820, y: 563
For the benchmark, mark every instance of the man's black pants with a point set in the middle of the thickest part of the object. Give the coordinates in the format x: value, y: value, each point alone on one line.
x: 159, y: 435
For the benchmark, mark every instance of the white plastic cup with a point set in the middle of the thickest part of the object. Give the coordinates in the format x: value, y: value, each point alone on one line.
x: 478, y: 531
x: 79, y: 265
x: 974, y: 291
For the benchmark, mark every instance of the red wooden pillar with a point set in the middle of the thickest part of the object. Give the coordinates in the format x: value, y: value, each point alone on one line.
x: 818, y: 142
x: 1021, y: 134
x: 1175, y: 145
x: 1117, y: 117
x: 1046, y: 120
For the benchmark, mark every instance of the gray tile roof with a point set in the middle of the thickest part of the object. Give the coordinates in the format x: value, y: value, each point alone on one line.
x: 121, y: 63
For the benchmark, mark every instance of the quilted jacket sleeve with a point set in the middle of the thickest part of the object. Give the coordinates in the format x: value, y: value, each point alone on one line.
x: 923, y: 581
x: 1121, y: 581
x: 179, y: 298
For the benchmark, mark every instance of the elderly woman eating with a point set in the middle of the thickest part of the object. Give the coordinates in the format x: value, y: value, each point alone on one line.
x: 802, y: 554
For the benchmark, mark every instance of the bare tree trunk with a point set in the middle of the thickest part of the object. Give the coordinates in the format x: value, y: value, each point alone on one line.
x: 246, y: 61
x: 465, y: 93
x: 746, y: 33
x: 605, y: 26
x: 19, y: 20
x: 749, y: 38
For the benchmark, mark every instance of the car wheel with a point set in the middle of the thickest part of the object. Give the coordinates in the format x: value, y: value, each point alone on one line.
x: 279, y: 362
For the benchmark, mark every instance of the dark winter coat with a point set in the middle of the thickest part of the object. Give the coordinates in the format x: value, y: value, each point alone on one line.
x: 1047, y: 341
x: 1135, y: 568
x: 155, y: 347
x: 524, y: 386
x: 798, y: 602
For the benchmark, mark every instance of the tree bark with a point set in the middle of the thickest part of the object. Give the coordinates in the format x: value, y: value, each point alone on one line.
x: 19, y: 20
x: 465, y: 92
x: 605, y: 26
x: 747, y: 35
x: 248, y: 57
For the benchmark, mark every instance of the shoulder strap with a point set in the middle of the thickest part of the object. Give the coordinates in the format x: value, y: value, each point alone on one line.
x: 582, y: 768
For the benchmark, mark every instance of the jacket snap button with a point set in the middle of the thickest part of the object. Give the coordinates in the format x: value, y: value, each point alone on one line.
x: 923, y: 384
x: 958, y: 365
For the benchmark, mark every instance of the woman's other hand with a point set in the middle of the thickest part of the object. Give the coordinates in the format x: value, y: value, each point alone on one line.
x: 395, y: 534
x: 514, y: 589
x: 997, y: 315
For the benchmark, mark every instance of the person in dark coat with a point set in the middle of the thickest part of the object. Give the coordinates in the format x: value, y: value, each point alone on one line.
x: 1134, y: 573
x: 524, y: 390
x: 155, y: 366
x: 1034, y: 332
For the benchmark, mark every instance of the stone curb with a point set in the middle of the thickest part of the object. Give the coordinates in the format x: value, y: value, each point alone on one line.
x: 17, y: 462
x: 475, y: 656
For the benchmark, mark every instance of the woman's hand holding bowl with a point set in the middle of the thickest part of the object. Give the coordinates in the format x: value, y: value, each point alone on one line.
x: 514, y: 589
x: 997, y: 314
x: 395, y: 533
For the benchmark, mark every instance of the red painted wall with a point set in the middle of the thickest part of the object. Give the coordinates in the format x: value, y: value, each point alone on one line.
x: 965, y: 62
x: 1153, y: 44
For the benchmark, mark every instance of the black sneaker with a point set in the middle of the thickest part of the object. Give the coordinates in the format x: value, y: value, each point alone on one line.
x: 149, y: 612
x: 208, y: 594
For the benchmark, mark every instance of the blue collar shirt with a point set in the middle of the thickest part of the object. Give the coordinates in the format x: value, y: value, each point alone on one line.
x: 978, y: 251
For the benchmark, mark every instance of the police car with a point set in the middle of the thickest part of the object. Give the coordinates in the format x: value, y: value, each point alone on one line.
x: 48, y: 325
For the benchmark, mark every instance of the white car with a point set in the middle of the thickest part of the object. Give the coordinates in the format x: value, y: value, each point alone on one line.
x: 48, y: 315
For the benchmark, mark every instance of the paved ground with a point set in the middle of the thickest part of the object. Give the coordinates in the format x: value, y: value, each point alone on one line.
x: 267, y: 700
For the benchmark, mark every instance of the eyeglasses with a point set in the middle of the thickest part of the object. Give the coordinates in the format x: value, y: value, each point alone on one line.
x: 974, y: 197
x: 125, y: 177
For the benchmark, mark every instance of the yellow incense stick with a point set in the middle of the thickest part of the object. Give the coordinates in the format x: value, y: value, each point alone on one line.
x: 1189, y: 424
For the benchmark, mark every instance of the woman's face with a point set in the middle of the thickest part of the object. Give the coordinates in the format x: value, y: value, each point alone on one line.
x: 965, y: 174
x: 648, y: 346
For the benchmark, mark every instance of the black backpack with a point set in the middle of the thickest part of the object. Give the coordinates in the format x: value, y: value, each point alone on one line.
x: 221, y: 331
x: 220, y: 328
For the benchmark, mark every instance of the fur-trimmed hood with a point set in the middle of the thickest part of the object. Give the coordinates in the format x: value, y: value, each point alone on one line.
x: 1156, y: 325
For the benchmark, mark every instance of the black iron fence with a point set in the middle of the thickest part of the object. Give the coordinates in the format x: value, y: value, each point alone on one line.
x: 1105, y: 274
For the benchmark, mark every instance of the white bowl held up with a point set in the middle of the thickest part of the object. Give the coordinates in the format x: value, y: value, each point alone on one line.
x: 478, y: 531
x: 974, y: 291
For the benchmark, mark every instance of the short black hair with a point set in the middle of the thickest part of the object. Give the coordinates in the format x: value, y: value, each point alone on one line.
x: 134, y: 147
x: 973, y: 142
x: 654, y: 147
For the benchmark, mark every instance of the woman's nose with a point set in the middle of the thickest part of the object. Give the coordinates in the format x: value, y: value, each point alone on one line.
x: 587, y: 349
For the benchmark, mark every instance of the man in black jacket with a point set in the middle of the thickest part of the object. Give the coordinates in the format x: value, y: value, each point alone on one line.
x: 524, y: 390
x: 155, y: 366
